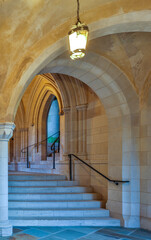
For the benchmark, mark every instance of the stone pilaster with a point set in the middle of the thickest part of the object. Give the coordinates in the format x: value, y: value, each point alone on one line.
x: 74, y: 133
x: 6, y: 132
x: 82, y: 129
x: 14, y: 147
x: 67, y: 130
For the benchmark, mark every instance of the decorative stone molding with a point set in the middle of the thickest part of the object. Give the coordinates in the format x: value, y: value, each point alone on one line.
x: 66, y: 110
x: 6, y: 131
x: 61, y: 113
x: 81, y: 107
x: 23, y: 129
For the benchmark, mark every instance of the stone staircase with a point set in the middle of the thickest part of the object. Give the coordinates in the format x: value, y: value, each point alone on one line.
x: 35, y: 167
x: 52, y: 200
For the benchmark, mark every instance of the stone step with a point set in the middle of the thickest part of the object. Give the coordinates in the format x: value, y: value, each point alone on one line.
x: 42, y: 166
x: 55, y: 204
x: 49, y: 170
x: 51, y: 196
x: 62, y: 221
x: 98, y: 212
x: 37, y: 199
x: 42, y: 183
x: 35, y: 176
x: 39, y: 189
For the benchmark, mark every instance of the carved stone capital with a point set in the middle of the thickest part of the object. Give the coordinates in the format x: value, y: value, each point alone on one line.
x: 61, y: 113
x: 66, y: 109
x: 6, y: 130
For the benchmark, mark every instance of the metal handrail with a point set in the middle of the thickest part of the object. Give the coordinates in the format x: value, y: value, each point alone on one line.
x: 35, y: 144
x: 116, y: 182
x: 53, y: 144
x: 54, y: 150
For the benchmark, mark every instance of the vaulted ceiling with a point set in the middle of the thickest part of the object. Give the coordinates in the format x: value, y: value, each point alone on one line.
x: 34, y: 32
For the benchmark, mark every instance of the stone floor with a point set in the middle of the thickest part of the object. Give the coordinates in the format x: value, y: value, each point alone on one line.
x: 81, y: 233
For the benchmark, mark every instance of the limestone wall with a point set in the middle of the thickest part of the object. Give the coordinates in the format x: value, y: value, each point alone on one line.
x: 145, y: 166
x: 97, y: 143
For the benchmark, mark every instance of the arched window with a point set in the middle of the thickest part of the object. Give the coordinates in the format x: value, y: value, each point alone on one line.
x: 53, y: 124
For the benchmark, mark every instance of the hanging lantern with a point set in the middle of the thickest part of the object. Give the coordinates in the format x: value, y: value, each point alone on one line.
x: 78, y: 36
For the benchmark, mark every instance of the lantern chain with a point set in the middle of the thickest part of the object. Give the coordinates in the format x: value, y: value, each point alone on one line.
x: 78, y: 9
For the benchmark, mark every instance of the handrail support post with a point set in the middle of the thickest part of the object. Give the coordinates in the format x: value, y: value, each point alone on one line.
x: 70, y: 165
x: 54, y: 160
x: 27, y: 158
x: 59, y: 144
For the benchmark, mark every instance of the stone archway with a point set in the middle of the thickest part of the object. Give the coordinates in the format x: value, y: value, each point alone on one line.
x: 121, y: 104
x: 122, y: 108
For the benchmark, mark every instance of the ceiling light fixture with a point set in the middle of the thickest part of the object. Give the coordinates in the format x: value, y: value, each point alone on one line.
x: 78, y: 36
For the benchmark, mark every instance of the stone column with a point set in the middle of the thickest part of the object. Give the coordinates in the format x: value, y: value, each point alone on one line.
x: 18, y: 145
x: 23, y: 143
x: 74, y: 133
x: 14, y: 147
x: 67, y: 131
x: 84, y: 128
x: 81, y: 129
x: 6, y: 132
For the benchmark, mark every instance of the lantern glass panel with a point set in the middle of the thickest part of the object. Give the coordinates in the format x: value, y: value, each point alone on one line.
x: 78, y: 40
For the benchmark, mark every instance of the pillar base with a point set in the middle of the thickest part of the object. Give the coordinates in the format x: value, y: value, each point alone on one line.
x: 131, y: 221
x: 6, y: 229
